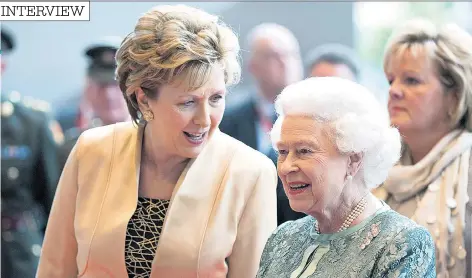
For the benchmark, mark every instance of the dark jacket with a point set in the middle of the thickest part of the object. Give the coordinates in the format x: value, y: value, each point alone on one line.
x: 30, y: 172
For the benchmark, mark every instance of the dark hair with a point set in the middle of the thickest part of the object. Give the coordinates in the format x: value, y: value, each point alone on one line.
x: 333, y: 54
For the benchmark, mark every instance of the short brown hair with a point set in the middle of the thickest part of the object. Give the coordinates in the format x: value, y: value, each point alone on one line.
x: 170, y: 43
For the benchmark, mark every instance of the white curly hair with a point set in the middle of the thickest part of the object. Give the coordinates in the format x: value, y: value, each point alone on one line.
x: 358, y: 122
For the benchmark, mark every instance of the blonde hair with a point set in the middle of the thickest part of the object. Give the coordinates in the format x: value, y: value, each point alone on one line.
x: 174, y: 43
x: 450, y: 50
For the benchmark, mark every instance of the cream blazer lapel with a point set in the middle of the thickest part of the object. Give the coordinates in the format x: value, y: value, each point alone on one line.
x: 222, y: 210
x: 95, y: 198
x: 116, y: 204
x: 190, y: 210
x: 186, y: 221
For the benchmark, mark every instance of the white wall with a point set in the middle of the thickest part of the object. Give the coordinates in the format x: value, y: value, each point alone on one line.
x: 49, y: 63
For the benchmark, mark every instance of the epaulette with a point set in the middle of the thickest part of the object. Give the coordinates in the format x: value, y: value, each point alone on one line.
x: 32, y: 103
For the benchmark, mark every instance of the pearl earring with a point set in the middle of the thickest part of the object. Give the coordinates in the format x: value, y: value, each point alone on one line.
x: 349, y: 177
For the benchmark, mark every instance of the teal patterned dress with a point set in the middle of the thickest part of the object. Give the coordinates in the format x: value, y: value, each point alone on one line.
x: 384, y: 245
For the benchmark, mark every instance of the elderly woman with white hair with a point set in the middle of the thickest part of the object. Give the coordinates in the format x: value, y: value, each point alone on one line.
x: 335, y: 144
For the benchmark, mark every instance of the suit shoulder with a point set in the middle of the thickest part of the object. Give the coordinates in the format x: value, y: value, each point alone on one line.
x: 399, y: 221
x: 300, y: 227
x: 31, y: 110
x: 403, y: 224
x: 414, y: 241
x: 36, y: 115
x: 33, y: 104
x: 398, y: 228
x: 103, y: 137
x: 107, y: 131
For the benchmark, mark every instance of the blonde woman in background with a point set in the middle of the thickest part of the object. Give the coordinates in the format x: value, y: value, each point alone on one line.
x: 172, y: 197
x: 430, y: 101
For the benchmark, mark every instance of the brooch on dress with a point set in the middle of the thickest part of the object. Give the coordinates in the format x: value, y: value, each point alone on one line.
x: 374, y: 231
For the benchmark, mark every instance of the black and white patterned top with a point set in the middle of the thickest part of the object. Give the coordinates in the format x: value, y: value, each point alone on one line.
x: 142, y: 236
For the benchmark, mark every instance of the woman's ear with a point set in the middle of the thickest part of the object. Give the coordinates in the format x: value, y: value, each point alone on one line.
x: 354, y: 163
x: 142, y: 99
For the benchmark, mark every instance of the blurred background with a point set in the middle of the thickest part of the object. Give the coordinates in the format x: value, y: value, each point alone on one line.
x: 49, y: 62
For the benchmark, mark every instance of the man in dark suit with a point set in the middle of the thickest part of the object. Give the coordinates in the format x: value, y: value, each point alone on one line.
x: 30, y: 172
x: 274, y: 63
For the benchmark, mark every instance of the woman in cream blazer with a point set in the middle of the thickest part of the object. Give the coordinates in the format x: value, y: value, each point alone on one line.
x: 221, y: 213
x: 221, y: 204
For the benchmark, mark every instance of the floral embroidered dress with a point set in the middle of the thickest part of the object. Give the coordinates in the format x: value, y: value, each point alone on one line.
x: 384, y: 245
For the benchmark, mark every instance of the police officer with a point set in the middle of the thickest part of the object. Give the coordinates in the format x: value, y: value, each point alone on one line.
x: 30, y: 172
x: 102, y: 101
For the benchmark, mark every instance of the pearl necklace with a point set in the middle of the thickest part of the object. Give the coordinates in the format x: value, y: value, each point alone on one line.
x: 360, y: 207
